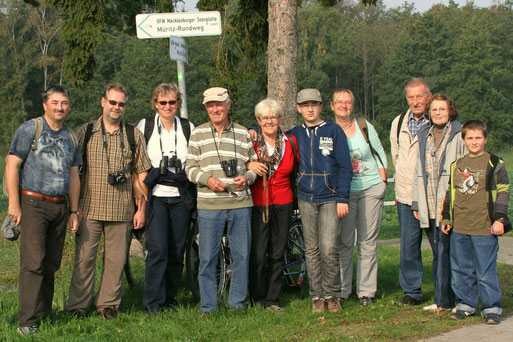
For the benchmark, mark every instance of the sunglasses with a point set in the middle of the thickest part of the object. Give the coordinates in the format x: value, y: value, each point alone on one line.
x: 163, y: 103
x: 113, y: 103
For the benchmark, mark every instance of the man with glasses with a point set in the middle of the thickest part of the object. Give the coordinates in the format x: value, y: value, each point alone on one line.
x: 218, y: 152
x: 323, y: 195
x: 41, y: 177
x: 113, y: 152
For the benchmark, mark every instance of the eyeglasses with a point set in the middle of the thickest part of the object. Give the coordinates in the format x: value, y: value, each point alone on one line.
x: 269, y: 118
x: 347, y: 103
x: 113, y: 103
x: 163, y: 103
x: 439, y: 110
x: 308, y: 105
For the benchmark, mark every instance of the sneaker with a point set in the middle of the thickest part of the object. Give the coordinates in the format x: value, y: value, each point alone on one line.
x: 30, y: 330
x: 492, y: 318
x: 408, y: 300
x: 365, y: 301
x: 432, y: 307
x: 107, y: 313
x: 460, y: 314
x: 333, y: 304
x: 454, y: 309
x: 319, y: 305
x: 275, y: 308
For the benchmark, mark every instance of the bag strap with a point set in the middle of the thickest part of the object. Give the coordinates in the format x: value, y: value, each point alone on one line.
x: 494, y: 161
x: 39, y: 129
x: 186, y: 128
x: 400, y: 123
x: 149, y: 125
x: 362, y: 124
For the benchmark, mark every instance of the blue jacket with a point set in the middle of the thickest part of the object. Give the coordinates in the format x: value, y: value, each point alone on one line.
x: 325, y: 169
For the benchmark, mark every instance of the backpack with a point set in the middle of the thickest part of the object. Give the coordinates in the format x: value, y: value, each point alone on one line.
x: 400, y: 123
x: 293, y: 175
x: 39, y: 129
x: 149, y: 125
x: 362, y: 124
x: 130, y: 134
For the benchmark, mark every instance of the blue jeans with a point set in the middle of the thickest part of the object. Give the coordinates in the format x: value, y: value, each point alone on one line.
x: 321, y: 233
x: 444, y: 296
x: 166, y: 233
x: 211, y: 228
x: 474, y: 273
x: 410, y: 265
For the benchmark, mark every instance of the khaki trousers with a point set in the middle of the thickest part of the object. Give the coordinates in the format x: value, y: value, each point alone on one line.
x: 88, y: 236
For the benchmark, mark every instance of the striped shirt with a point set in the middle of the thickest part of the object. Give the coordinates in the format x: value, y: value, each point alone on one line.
x: 98, y: 199
x: 206, y: 151
x: 433, y: 157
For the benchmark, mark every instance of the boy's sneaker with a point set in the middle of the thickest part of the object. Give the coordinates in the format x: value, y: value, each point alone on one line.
x: 333, y: 304
x: 492, y: 318
x: 30, y: 330
x: 460, y: 314
x: 365, y: 301
x: 408, y: 300
x: 318, y: 304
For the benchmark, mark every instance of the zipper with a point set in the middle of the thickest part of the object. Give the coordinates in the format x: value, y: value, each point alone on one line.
x: 311, y: 163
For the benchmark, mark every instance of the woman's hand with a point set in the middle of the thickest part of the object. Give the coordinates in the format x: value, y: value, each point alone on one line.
x: 258, y: 168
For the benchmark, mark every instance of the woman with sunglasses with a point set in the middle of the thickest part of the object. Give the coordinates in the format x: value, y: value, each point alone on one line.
x: 168, y: 214
x: 272, y: 199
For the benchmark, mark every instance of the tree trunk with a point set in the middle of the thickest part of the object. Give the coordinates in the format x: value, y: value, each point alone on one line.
x: 282, y: 58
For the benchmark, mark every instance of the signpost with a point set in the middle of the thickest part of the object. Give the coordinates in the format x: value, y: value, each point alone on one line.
x: 175, y: 26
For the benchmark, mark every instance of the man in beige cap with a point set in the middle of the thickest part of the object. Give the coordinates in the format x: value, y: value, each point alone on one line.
x: 218, y: 152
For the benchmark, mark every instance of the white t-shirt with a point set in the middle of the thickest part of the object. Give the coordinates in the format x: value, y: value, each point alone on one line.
x: 169, y: 149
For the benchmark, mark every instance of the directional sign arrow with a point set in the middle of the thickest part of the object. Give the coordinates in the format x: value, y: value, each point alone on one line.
x: 184, y: 24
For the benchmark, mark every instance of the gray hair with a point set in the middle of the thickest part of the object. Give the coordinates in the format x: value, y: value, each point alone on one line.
x: 55, y: 89
x: 415, y: 82
x: 266, y: 106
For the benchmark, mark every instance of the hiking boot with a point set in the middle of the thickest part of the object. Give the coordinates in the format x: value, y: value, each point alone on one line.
x: 319, y: 305
x: 460, y: 314
x: 408, y: 300
x: 108, y: 313
x: 365, y: 301
x: 30, y: 330
x: 492, y: 318
x: 333, y: 304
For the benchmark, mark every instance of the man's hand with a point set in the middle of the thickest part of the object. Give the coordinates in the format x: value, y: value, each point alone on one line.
x: 139, y: 219
x: 240, y: 182
x: 15, y: 212
x: 416, y: 214
x: 258, y: 168
x: 73, y: 221
x: 342, y: 210
x: 497, y: 228
x: 445, y: 228
x: 253, y: 133
x: 216, y: 185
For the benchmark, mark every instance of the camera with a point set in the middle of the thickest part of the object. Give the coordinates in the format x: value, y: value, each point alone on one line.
x: 229, y: 167
x: 117, y: 177
x: 172, y: 162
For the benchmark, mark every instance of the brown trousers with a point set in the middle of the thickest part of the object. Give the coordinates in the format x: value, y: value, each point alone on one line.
x: 43, y: 229
x: 88, y: 236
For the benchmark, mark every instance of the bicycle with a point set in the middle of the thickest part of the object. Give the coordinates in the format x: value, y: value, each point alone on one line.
x: 294, y: 268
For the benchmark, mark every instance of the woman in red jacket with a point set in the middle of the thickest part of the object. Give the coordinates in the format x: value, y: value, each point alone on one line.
x: 272, y: 199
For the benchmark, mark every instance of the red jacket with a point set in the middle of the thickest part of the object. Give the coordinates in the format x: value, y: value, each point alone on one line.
x: 278, y: 185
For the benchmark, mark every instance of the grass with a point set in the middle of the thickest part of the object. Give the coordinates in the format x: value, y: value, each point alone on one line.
x: 382, y: 321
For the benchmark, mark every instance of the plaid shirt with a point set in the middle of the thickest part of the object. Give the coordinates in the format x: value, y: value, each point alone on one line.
x: 414, y: 124
x: 433, y: 158
x: 98, y: 199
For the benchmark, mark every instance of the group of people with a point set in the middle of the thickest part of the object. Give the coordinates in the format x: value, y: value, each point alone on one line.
x: 111, y: 177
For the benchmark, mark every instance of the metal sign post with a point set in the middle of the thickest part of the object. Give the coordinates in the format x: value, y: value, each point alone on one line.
x: 175, y: 26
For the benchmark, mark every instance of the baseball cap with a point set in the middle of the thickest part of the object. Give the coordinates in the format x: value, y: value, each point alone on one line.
x: 309, y: 94
x: 215, y: 94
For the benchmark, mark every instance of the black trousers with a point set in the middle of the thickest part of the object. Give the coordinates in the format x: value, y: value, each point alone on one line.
x: 166, y: 234
x: 43, y: 229
x: 268, y: 242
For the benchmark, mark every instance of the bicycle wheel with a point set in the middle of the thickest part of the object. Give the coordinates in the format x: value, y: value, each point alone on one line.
x: 223, y: 269
x: 135, y: 259
x: 294, y: 268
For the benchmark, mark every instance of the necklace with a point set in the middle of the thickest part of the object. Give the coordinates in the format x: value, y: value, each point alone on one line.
x: 348, y: 126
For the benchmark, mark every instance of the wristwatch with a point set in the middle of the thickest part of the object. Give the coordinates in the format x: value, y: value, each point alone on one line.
x: 74, y: 212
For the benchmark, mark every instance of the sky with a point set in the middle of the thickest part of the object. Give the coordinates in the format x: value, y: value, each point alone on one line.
x: 420, y: 5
